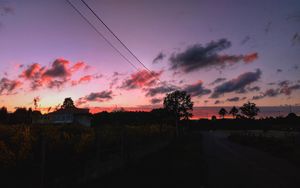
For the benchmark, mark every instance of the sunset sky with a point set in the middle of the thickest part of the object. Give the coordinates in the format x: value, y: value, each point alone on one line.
x: 222, y: 52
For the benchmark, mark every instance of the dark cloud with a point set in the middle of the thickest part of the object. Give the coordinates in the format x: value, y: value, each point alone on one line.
x: 255, y: 88
x: 151, y: 92
x: 257, y: 97
x: 285, y: 87
x: 271, y: 93
x: 104, y: 95
x: 237, y: 84
x: 296, y: 67
x: 197, y: 89
x: 8, y: 86
x: 199, y: 57
x: 233, y: 99
x: 56, y: 84
x: 155, y: 101
x: 115, y: 79
x: 59, y: 68
x: 296, y: 39
x: 116, y: 74
x: 267, y: 93
x: 245, y: 40
x: 33, y: 71
x: 218, y: 102
x: 294, y: 17
x: 6, y: 8
x: 159, y: 57
x: 218, y: 80
x: 113, y: 82
x: 268, y: 27
x: 284, y: 83
x: 95, y: 97
x: 141, y: 79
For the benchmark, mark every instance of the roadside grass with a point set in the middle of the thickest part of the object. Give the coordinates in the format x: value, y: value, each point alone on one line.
x: 284, y: 147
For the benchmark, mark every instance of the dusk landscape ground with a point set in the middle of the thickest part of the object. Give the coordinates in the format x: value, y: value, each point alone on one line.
x: 195, y: 93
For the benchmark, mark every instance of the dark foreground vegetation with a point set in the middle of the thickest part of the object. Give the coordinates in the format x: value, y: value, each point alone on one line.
x: 60, y: 156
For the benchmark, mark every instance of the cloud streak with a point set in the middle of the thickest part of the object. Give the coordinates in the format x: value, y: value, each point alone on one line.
x: 159, y: 57
x: 218, y: 80
x: 155, y: 100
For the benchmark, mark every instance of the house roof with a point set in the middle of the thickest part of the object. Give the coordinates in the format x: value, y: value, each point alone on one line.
x: 71, y: 111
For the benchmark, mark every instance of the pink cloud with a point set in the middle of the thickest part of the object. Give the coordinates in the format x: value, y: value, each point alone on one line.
x: 8, y: 86
x: 56, y: 76
x: 141, y: 79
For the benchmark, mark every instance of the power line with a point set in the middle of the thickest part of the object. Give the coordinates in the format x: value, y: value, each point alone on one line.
x: 150, y: 72
x: 126, y: 59
x: 124, y: 45
x: 96, y: 15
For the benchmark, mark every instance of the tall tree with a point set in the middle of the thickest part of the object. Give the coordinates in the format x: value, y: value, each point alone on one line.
x: 223, y: 112
x: 234, y: 111
x: 179, y: 104
x: 3, y: 115
x: 68, y: 103
x: 249, y: 110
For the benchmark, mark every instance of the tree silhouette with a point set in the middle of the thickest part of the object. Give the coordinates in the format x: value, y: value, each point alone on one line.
x: 249, y: 110
x: 223, y: 112
x: 179, y: 104
x: 68, y: 103
x: 21, y: 115
x: 3, y: 115
x: 234, y: 111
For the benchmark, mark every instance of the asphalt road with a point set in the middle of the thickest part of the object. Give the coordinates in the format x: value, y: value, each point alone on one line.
x: 178, y: 165
x: 233, y: 165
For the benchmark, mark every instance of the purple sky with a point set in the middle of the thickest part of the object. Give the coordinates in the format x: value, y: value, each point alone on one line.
x: 251, y: 46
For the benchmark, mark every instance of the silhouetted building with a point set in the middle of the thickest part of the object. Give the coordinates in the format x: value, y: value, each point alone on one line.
x: 78, y: 116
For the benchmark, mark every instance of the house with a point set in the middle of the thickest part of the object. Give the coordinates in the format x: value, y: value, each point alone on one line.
x: 77, y: 116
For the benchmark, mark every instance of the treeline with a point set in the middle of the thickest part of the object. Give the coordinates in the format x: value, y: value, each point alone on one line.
x: 162, y: 116
x: 156, y: 116
x: 289, y: 123
x: 21, y: 115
